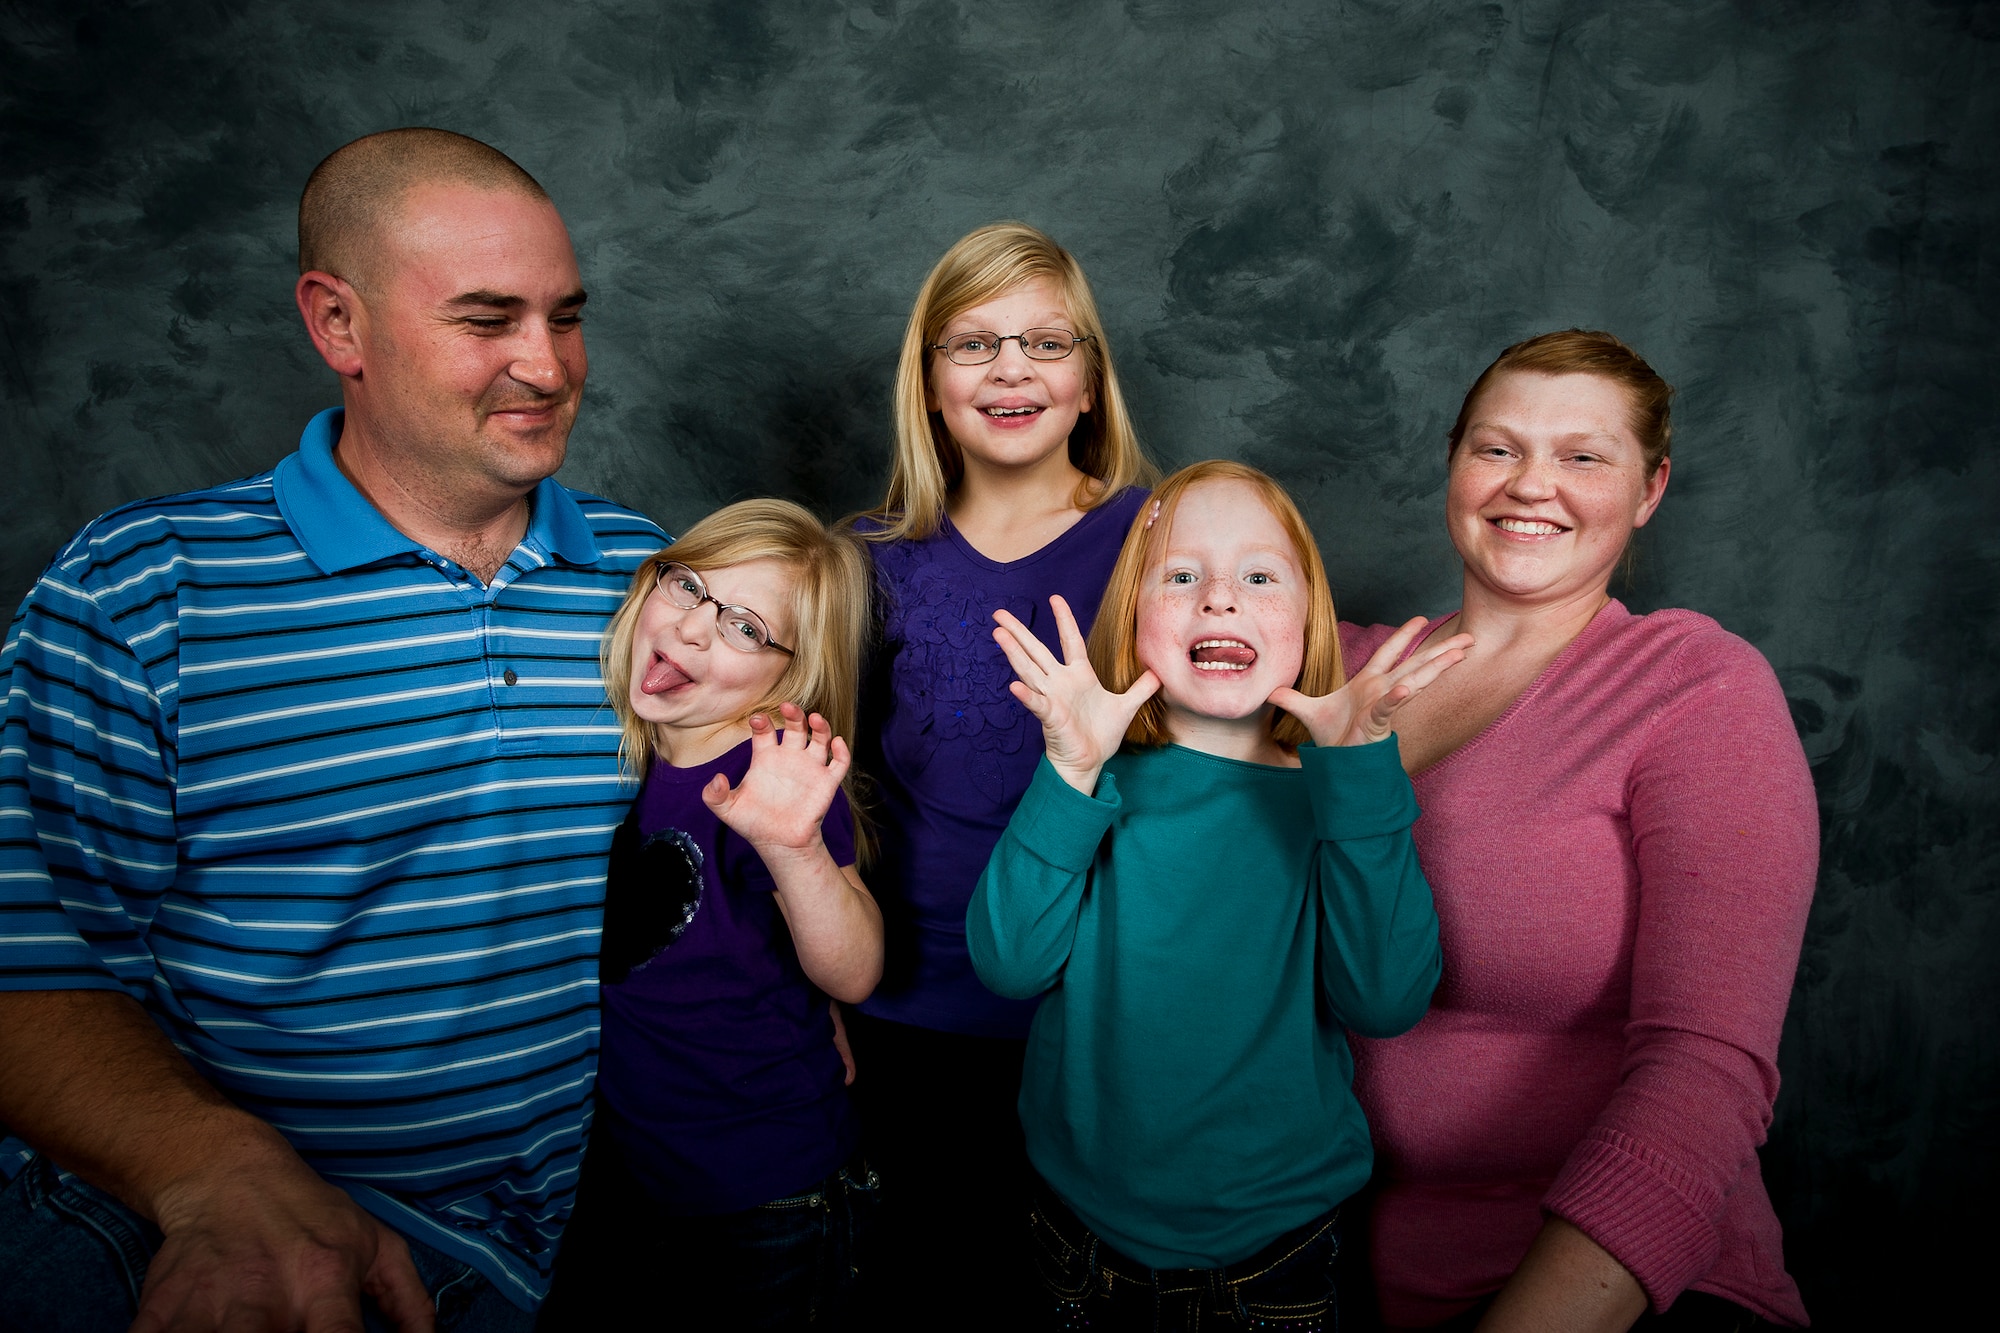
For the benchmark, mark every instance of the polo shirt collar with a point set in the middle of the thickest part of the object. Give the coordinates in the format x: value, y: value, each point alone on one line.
x: 340, y: 530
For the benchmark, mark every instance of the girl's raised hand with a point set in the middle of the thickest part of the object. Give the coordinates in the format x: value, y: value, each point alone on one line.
x: 1364, y: 709
x: 782, y: 799
x: 1083, y: 724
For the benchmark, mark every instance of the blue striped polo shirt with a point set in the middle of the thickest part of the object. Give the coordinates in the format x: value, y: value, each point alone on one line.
x: 337, y: 815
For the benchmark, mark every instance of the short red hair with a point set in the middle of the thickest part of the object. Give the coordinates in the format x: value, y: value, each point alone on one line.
x: 1589, y: 352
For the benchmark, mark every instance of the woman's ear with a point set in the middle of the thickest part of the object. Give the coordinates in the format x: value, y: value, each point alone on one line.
x: 1656, y: 490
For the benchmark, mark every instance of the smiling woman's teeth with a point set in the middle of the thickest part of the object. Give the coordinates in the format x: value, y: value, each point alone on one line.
x: 1011, y: 411
x: 1529, y: 527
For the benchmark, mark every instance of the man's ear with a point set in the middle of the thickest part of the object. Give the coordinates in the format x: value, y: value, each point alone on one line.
x: 331, y: 310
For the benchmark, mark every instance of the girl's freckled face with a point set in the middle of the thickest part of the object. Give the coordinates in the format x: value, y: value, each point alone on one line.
x: 1221, y: 620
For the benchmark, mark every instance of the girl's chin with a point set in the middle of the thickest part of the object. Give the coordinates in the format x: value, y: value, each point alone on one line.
x: 1214, y: 709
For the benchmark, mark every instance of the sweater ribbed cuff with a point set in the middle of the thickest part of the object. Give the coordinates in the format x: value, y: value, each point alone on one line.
x: 1652, y: 1215
x: 1059, y: 824
x: 1358, y: 791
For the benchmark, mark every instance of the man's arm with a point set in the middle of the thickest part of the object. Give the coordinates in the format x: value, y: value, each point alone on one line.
x: 253, y: 1236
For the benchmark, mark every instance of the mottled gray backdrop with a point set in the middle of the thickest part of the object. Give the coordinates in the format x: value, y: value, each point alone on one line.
x: 1309, y: 225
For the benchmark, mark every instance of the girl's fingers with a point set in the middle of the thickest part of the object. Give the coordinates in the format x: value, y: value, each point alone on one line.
x: 716, y: 794
x: 1034, y: 701
x: 838, y: 758
x: 1386, y: 706
x: 1290, y: 700
x: 1036, y: 651
x: 820, y: 732
x: 1024, y: 666
x: 1458, y: 643
x: 1385, y: 656
x: 1142, y: 689
x: 1414, y: 675
x: 1430, y: 669
x: 762, y: 734
x: 1423, y: 668
x: 1075, y: 649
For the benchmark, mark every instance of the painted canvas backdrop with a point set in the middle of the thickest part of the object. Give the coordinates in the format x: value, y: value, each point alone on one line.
x: 1309, y: 225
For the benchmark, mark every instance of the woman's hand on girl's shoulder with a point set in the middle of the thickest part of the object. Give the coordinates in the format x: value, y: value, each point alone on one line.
x: 785, y: 795
x: 1363, y: 710
x: 1083, y: 724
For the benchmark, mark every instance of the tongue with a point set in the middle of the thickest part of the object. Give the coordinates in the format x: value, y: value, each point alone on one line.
x: 661, y: 677
x: 1236, y: 654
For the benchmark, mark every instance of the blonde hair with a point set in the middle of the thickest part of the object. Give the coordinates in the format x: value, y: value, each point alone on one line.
x: 984, y: 264
x: 830, y: 588
x: 1114, y: 651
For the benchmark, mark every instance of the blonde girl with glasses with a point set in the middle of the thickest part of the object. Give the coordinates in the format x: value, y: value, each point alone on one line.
x: 733, y: 909
x: 1016, y: 473
x: 1210, y: 881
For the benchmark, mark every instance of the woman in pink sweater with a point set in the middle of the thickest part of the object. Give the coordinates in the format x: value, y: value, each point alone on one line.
x: 1621, y: 835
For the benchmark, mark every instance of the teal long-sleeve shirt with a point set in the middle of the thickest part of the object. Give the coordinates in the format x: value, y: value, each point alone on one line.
x: 1204, y: 929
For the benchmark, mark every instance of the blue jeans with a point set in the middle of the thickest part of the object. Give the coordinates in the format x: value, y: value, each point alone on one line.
x: 792, y: 1263
x: 1287, y: 1285
x: 73, y: 1260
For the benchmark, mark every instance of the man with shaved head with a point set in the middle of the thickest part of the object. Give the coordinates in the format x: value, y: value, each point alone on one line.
x: 306, y: 788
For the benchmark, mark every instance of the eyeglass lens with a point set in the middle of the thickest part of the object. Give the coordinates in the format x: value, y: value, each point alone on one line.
x: 982, y: 345
x: 739, y: 625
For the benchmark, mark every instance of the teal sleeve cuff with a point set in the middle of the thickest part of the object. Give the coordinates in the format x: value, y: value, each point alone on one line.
x: 1358, y: 791
x: 1059, y: 824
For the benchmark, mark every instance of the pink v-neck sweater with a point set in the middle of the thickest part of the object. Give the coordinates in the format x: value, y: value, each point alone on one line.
x: 1622, y: 864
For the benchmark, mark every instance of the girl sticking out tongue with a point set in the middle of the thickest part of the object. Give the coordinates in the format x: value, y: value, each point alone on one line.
x: 733, y: 910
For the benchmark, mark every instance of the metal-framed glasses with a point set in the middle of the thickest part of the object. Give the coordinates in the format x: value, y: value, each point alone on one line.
x: 982, y: 345
x: 738, y: 626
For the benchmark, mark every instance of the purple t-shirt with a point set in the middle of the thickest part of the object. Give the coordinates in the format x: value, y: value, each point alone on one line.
x: 718, y: 1073
x: 956, y: 752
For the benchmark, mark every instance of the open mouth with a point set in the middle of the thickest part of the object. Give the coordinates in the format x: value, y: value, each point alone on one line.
x: 1528, y: 527
x: 661, y: 676
x: 1010, y: 413
x: 1222, y: 655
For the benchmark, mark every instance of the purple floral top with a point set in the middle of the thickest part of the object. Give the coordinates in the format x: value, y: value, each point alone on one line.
x: 950, y: 750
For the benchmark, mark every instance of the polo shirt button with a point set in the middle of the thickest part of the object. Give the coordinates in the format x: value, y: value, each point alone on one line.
x: 509, y: 676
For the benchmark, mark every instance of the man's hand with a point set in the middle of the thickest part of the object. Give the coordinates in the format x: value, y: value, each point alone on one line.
x: 271, y: 1246
x: 255, y: 1241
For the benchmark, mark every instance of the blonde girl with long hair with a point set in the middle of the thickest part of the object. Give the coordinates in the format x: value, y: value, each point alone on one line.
x: 1016, y: 473
x: 733, y: 909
